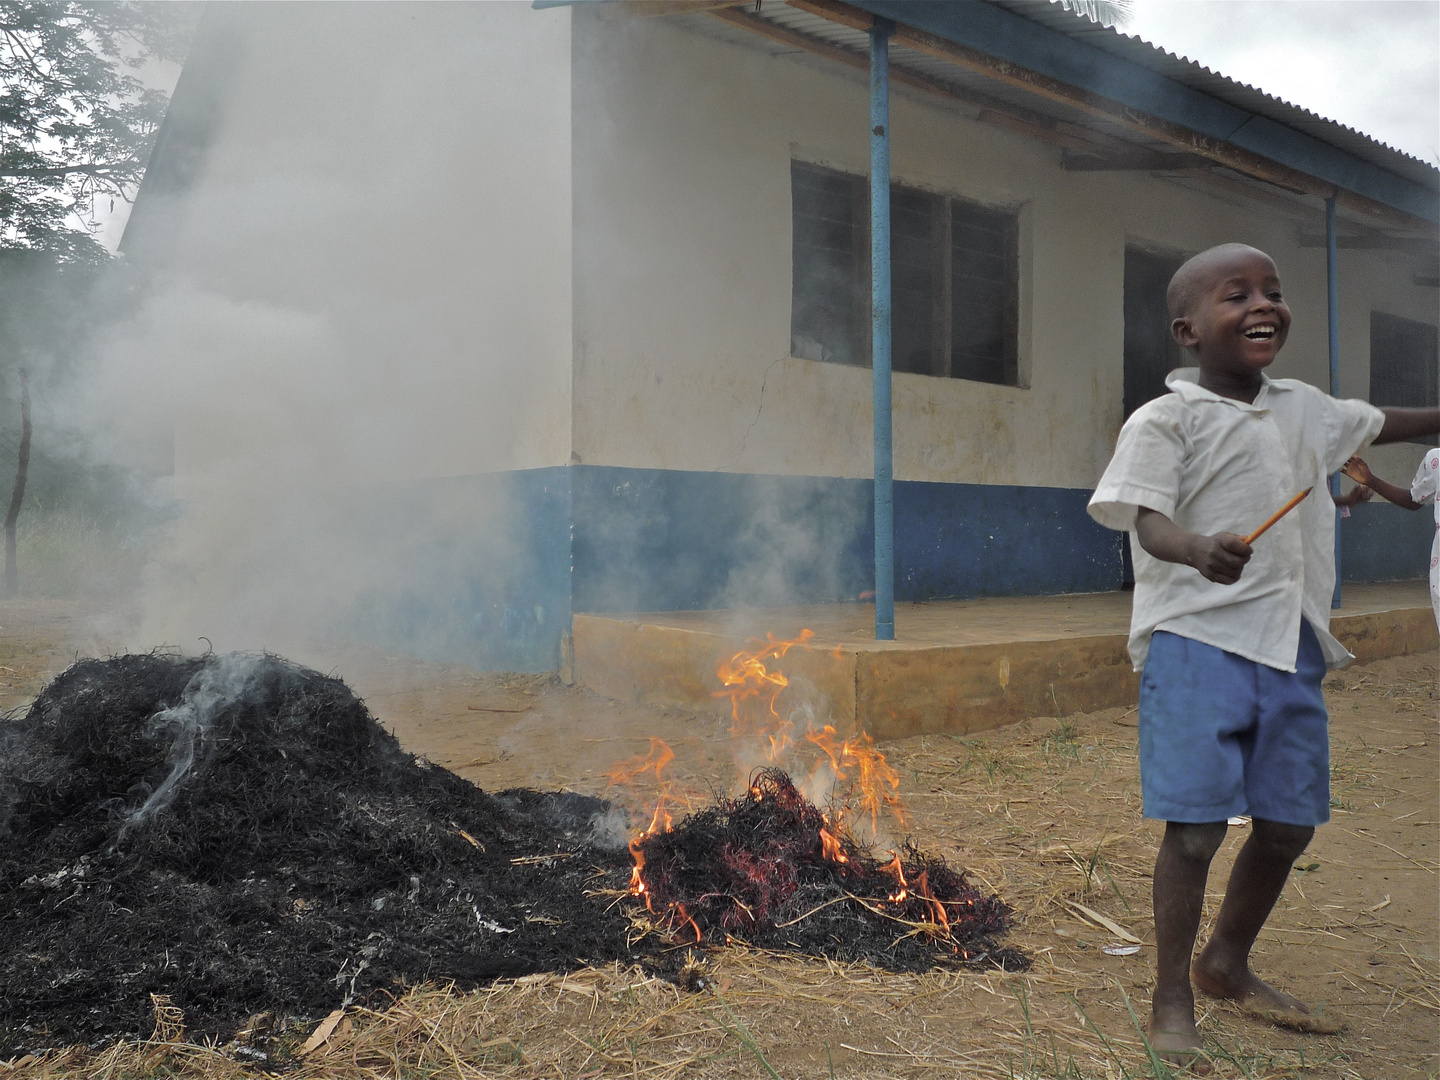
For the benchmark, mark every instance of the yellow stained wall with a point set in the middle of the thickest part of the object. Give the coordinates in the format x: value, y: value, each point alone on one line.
x: 683, y: 144
x: 378, y: 267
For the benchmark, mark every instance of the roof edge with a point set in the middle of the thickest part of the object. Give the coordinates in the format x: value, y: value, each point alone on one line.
x: 1007, y: 36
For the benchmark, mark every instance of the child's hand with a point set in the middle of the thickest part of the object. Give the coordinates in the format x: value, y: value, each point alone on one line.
x: 1357, y: 470
x: 1358, y: 494
x: 1221, y: 557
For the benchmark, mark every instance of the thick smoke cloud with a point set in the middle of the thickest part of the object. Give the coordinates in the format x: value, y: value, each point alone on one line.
x: 354, y: 311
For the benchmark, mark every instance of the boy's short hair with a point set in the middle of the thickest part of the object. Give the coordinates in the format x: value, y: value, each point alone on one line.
x: 1193, y: 276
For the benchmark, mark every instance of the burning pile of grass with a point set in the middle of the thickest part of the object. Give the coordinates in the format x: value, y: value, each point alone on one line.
x: 770, y: 868
x: 239, y: 834
x: 236, y: 835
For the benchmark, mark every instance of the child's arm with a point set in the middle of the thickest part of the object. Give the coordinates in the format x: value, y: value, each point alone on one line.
x: 1402, y: 424
x: 1220, y: 558
x: 1358, y: 494
x: 1358, y: 471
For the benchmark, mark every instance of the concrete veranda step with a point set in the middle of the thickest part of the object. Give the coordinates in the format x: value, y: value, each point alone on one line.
x: 955, y: 666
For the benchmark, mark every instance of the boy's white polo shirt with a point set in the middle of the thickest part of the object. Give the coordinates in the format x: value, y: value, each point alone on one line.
x: 1213, y: 464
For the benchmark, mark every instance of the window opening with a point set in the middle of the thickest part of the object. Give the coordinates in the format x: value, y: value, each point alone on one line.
x: 954, y: 279
x: 1151, y: 351
x: 1404, y: 363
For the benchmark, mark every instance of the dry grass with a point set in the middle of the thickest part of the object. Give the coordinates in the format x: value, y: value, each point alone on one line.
x: 1047, y: 813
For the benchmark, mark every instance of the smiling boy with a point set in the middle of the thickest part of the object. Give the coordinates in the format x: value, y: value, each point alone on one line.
x: 1232, y: 641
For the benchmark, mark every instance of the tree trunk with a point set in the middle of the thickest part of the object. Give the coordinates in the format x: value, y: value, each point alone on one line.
x: 12, y: 573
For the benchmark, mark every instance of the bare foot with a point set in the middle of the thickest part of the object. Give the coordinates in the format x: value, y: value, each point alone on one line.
x: 1180, y: 1048
x: 1257, y: 998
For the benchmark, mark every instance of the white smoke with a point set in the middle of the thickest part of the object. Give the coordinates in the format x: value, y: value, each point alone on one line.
x: 189, y: 727
x: 361, y: 297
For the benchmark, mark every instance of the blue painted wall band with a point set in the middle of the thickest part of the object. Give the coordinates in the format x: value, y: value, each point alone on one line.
x: 657, y: 540
x: 487, y: 569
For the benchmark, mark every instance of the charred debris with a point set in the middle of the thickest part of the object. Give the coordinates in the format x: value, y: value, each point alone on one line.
x: 238, y: 833
x: 772, y: 869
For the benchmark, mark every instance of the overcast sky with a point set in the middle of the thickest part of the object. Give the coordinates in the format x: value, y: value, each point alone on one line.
x: 1370, y: 64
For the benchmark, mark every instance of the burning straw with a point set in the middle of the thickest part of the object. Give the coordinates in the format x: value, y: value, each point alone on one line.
x: 772, y: 868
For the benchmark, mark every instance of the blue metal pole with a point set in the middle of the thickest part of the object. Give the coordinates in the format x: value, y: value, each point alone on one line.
x: 880, y: 327
x: 1332, y: 284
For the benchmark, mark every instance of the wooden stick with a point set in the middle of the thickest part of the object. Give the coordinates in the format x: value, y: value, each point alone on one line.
x: 1278, y: 515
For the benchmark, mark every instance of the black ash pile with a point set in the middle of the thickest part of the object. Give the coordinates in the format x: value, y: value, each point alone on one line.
x: 769, y: 868
x: 240, y: 834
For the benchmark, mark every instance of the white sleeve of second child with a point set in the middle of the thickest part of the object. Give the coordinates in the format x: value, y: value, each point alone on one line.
x: 1145, y: 470
x: 1426, y: 484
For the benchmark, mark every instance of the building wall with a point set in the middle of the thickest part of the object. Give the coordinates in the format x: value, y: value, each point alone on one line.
x: 402, y: 409
x: 683, y: 151
x: 648, y: 539
x: 683, y: 212
x: 1379, y: 281
x: 1381, y: 542
x: 683, y: 145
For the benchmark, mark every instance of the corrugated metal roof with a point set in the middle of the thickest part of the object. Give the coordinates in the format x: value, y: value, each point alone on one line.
x: 1045, y: 38
x: 1243, y: 96
x: 978, y: 87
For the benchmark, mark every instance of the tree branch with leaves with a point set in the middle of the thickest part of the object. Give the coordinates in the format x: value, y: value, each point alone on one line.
x: 77, y: 123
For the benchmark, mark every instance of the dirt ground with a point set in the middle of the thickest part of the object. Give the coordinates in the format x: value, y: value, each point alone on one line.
x: 1045, y: 812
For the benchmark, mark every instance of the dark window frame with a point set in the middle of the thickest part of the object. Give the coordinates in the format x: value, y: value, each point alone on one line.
x: 1150, y: 350
x: 830, y: 247
x: 935, y: 240
x: 1404, y: 363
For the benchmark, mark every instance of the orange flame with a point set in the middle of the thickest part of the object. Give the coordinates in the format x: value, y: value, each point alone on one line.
x: 922, y: 889
x: 637, y: 883
x: 627, y: 772
x: 874, y: 774
x: 752, y: 689
x: 830, y: 847
x: 685, y: 918
x: 659, y: 756
x: 895, y: 868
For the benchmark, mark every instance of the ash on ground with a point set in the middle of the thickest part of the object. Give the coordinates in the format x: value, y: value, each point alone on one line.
x: 239, y: 833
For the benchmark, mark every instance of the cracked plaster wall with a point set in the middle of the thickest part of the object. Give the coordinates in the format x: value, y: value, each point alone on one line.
x: 683, y: 144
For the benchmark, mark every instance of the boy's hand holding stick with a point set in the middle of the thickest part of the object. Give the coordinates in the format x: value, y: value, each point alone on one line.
x: 1220, y: 558
x: 1296, y: 501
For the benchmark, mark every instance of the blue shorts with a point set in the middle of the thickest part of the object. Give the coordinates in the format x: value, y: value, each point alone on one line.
x: 1221, y: 735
